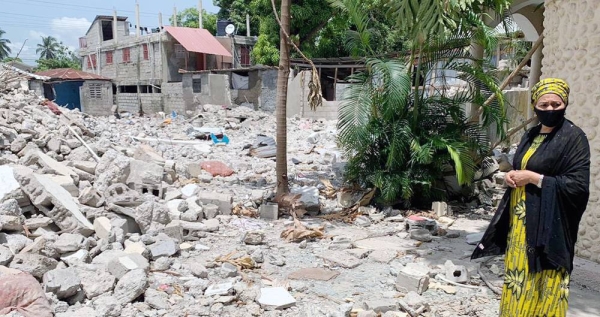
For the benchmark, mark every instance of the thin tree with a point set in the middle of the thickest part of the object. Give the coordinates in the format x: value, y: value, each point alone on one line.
x: 282, y: 86
x: 49, y: 49
x: 4, y: 48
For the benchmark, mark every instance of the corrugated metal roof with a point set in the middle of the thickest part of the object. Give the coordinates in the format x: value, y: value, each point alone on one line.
x: 197, y: 40
x: 70, y: 74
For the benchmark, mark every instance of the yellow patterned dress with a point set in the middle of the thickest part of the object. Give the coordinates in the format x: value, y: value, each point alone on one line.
x: 525, y: 294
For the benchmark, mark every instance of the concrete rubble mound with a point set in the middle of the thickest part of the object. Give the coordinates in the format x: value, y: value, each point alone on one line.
x: 139, y: 216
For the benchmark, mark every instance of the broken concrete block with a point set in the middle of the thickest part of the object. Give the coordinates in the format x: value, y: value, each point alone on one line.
x: 54, y: 145
x: 440, y: 208
x: 95, y: 282
x: 65, y: 182
x: 162, y: 248
x: 18, y: 144
x: 8, y: 182
x: 176, y: 207
x: 74, y: 258
x: 150, y: 212
x: 211, y: 211
x: 173, y: 230
x: 157, y: 299
x: 224, y: 201
x: 38, y: 222
x: 269, y: 211
x: 91, y: 197
x: 11, y: 223
x: 123, y: 264
x: 102, y: 227
x: 147, y: 154
x: 62, y: 282
x: 219, y: 289
x: 131, y: 286
x: 141, y: 172
x: 254, y: 237
x: 381, y: 305
x: 34, y: 264
x: 55, y: 166
x: 309, y: 198
x: 413, y: 277
x: 11, y: 207
x: 275, y: 298
x: 341, y: 259
x: 189, y: 190
x: 68, y: 242
x: 54, y: 201
x: 456, y: 273
x: 86, y: 166
x: 194, y: 169
x: 229, y: 270
x: 113, y: 168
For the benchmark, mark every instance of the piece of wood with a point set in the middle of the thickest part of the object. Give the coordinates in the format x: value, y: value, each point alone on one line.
x: 507, y: 80
x: 94, y: 155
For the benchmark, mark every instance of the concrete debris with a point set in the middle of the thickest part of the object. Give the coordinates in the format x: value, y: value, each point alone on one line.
x: 139, y: 226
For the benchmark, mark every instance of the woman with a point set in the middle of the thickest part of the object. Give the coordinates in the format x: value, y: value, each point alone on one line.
x: 538, y: 218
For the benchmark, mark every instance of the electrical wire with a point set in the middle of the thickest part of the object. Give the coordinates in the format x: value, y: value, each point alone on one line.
x: 70, y: 5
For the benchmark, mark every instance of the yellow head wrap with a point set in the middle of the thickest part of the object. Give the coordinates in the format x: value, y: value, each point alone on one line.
x: 550, y: 86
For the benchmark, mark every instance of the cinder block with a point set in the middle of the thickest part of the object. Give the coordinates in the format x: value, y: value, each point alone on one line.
x: 224, y: 201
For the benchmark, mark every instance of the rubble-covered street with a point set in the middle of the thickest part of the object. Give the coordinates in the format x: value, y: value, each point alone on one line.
x: 171, y: 216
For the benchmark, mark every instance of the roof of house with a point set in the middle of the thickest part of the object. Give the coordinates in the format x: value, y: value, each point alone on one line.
x: 197, y: 40
x: 105, y: 17
x: 70, y: 74
x: 22, y: 72
x: 21, y: 66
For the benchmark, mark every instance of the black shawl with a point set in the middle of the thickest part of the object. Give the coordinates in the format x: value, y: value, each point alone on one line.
x: 553, y: 212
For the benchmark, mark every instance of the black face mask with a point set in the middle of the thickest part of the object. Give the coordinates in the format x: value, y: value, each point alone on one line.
x: 550, y: 118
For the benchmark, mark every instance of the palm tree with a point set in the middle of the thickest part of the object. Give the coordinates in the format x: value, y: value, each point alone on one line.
x: 4, y: 49
x: 282, y: 85
x: 49, y: 48
x: 402, y: 128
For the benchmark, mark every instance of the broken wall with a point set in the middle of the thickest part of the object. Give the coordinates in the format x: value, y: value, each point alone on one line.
x: 214, y: 90
x: 297, y: 99
x: 570, y: 51
x: 94, y: 104
x: 172, y: 97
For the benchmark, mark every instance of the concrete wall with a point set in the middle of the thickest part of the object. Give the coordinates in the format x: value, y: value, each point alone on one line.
x: 172, y: 94
x: 572, y: 40
x: 37, y: 86
x: 215, y: 90
x: 96, y: 106
x: 518, y: 102
x: 297, y: 103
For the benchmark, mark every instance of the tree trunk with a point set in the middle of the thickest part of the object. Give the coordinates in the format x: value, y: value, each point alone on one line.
x: 282, y: 86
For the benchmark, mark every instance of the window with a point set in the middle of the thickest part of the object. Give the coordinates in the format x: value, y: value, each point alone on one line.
x: 95, y: 91
x: 107, y: 30
x: 91, y: 61
x: 196, y: 85
x: 244, y: 55
x: 179, y: 51
x: 145, y: 48
x: 132, y: 89
x: 126, y: 55
x: 109, y: 57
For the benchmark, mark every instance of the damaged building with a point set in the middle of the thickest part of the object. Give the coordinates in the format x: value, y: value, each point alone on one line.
x: 147, y: 67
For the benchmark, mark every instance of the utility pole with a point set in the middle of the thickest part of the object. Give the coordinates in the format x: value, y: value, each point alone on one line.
x: 137, y: 19
x: 174, y: 16
x: 200, y: 25
x: 248, y: 24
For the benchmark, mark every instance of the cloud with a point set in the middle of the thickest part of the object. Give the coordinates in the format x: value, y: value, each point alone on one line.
x: 69, y: 30
x: 36, y: 36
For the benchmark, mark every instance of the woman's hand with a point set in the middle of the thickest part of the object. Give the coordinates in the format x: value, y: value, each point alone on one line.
x: 521, y: 178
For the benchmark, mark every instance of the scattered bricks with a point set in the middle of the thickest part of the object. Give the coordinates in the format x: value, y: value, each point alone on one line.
x: 254, y: 237
x: 141, y: 172
x: 131, y: 286
x: 413, y: 277
x: 224, y: 201
x: 269, y: 211
x: 68, y: 242
x: 162, y: 248
x: 62, y: 282
x: 123, y: 264
x: 34, y: 264
x: 275, y: 298
x: 91, y: 197
x: 6, y: 255
x: 417, y: 222
x: 95, y: 282
x: 440, y: 208
x: 54, y: 201
x: 147, y: 154
x: 456, y: 273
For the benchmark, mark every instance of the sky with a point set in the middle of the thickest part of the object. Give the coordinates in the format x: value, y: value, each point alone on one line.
x: 26, y: 21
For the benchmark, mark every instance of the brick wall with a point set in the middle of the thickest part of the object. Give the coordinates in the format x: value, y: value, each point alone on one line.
x: 173, y: 97
x: 96, y: 105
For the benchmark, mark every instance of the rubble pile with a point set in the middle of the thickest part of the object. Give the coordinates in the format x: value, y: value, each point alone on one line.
x: 170, y: 215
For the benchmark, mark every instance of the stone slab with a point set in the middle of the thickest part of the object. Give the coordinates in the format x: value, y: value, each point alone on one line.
x: 313, y: 273
x: 341, y: 259
x: 275, y: 298
x: 384, y: 243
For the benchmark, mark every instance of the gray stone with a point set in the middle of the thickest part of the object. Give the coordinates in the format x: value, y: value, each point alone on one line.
x: 452, y: 234
x: 211, y: 211
x: 341, y: 259
x: 421, y: 235
x: 309, y: 198
x: 254, y: 237
x: 229, y: 270
x: 413, y: 299
x: 156, y: 299
x: 131, y: 286
x: 107, y: 306
x: 91, y: 197
x: 162, y: 248
x: 62, y: 282
x: 381, y: 305
x: 147, y: 154
x: 5, y: 256
x: 10, y: 207
x: 162, y: 264
x: 474, y: 238
x: 34, y: 264
x: 69, y: 242
x: 275, y: 298
x: 362, y: 221
x: 126, y: 263
x: 94, y: 281
x: 18, y: 144
x: 73, y: 258
x: 257, y: 256
x: 11, y: 223
x: 198, y: 269
x: 141, y: 172
x: 15, y: 242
